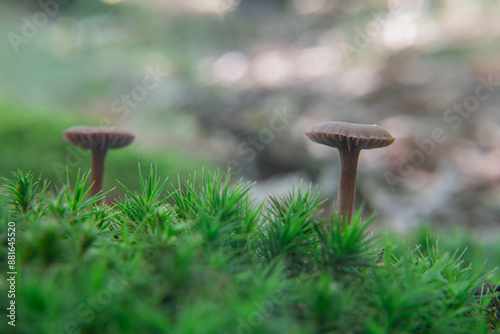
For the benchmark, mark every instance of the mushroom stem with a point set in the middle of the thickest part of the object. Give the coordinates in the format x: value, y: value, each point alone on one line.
x: 98, y: 158
x: 347, y: 182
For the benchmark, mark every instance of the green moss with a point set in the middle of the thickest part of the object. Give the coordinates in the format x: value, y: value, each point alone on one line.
x: 203, y: 258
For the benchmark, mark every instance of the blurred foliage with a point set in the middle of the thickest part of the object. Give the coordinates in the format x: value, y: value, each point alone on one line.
x: 483, y: 251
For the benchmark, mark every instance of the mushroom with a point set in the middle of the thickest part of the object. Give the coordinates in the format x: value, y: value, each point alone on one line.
x: 98, y: 140
x: 349, y: 139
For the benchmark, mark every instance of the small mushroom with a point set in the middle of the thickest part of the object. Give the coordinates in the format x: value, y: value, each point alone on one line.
x: 349, y: 139
x: 98, y: 140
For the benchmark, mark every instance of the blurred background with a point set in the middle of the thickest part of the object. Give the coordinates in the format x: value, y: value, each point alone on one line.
x: 236, y: 83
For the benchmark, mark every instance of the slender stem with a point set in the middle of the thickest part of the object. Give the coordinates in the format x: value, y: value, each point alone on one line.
x: 347, y: 182
x: 98, y: 158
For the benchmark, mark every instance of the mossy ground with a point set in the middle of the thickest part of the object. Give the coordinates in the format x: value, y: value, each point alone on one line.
x: 204, y: 258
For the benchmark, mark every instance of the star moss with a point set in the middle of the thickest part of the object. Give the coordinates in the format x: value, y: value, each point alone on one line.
x: 205, y: 258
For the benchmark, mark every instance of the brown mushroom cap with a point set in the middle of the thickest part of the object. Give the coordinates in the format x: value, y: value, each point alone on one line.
x: 350, y: 136
x: 97, y: 138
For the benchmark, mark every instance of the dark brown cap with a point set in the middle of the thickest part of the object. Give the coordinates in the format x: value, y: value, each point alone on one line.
x: 350, y: 136
x: 97, y: 138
